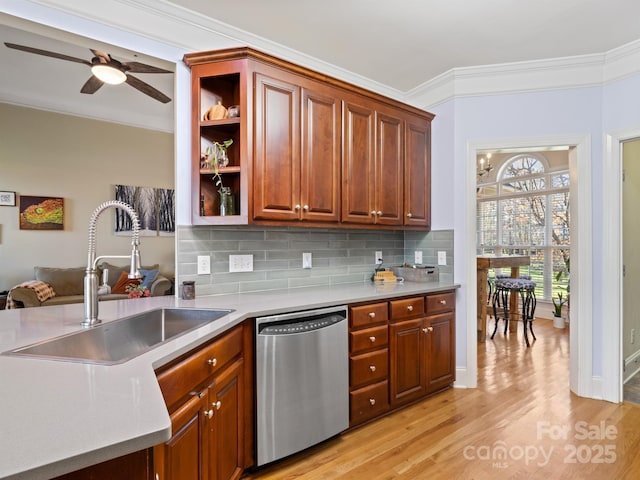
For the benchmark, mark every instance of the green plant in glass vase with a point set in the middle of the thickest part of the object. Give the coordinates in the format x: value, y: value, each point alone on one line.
x: 215, y: 156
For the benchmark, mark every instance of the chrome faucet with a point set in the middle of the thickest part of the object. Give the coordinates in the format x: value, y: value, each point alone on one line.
x: 91, y: 274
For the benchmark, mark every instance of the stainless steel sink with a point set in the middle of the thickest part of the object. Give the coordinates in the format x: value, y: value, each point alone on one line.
x: 121, y: 340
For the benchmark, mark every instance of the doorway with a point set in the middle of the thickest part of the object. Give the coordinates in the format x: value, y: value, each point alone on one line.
x: 581, y: 285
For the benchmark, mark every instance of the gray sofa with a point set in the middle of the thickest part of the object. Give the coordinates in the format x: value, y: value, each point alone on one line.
x: 68, y: 284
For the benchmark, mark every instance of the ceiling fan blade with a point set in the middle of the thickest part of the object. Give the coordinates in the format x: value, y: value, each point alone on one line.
x: 47, y: 53
x: 137, y: 67
x: 92, y: 85
x: 147, y: 89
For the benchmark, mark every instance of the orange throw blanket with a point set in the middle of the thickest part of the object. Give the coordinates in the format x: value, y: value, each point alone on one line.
x: 43, y: 290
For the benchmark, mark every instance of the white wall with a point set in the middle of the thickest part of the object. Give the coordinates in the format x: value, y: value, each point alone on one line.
x: 48, y: 154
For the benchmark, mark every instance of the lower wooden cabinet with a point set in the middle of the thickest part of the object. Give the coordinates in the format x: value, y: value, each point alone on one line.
x: 210, y: 415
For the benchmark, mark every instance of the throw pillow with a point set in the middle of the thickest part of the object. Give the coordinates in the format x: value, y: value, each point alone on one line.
x: 149, y: 277
x: 115, y: 271
x: 123, y: 282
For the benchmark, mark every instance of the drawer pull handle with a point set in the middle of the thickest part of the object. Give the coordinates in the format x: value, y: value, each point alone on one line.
x: 372, y: 315
x: 372, y: 368
x: 410, y: 308
x: 208, y: 413
x: 212, y: 361
x: 372, y: 339
x: 216, y: 405
x: 372, y: 401
x: 443, y: 302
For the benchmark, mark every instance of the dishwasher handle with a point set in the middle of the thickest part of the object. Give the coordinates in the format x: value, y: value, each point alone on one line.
x: 302, y: 324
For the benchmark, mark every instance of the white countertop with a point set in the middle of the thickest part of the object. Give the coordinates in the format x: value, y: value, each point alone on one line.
x: 57, y: 417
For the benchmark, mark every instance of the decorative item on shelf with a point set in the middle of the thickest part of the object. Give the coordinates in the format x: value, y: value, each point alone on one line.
x: 216, y: 157
x: 233, y: 111
x: 483, y: 168
x: 217, y: 112
x: 137, y: 291
x: 558, y: 319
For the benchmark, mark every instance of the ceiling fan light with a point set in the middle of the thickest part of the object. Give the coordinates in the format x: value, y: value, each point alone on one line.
x: 108, y: 74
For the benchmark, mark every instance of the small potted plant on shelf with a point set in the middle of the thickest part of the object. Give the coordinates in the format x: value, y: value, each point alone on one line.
x: 215, y: 156
x: 558, y: 319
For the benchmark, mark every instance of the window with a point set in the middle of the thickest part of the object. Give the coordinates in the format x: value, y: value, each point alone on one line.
x: 525, y: 211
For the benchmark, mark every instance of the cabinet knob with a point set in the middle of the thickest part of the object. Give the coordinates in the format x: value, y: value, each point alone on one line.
x: 212, y: 361
x: 372, y: 368
x: 425, y: 330
x: 372, y: 315
x: 297, y: 207
x: 372, y: 401
x: 373, y: 212
x: 306, y: 208
x: 208, y: 413
x: 443, y: 302
x: 372, y: 339
x: 216, y: 405
x: 410, y: 308
x: 379, y: 212
x: 409, y: 215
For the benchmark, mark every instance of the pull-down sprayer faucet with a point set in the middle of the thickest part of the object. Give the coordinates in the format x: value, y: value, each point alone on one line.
x: 91, y: 275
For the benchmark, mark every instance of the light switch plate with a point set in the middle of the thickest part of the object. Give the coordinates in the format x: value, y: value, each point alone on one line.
x: 378, y: 257
x: 417, y: 257
x: 240, y: 263
x: 442, y: 258
x: 307, y: 261
x: 204, y: 264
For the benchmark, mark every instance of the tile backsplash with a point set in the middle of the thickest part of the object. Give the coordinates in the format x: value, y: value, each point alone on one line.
x: 338, y: 255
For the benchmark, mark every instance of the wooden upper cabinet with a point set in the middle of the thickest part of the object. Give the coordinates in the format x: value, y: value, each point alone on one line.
x: 373, y: 165
x: 307, y: 147
x: 321, y: 154
x: 417, y: 176
x: 297, y: 150
x: 276, y: 166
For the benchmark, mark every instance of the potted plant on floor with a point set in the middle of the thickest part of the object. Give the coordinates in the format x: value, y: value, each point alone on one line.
x: 558, y: 319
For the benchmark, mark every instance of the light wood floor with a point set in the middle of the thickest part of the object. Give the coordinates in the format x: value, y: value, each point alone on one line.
x: 521, y: 402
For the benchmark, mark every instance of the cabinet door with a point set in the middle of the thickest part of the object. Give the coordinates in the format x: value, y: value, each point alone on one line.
x: 226, y: 426
x: 417, y: 188
x: 408, y: 375
x: 389, y: 169
x: 277, y: 149
x: 358, y: 163
x: 441, y: 369
x: 321, y: 158
x: 183, y: 456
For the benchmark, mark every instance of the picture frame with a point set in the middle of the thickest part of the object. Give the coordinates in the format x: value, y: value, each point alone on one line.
x: 41, y: 213
x: 7, y: 199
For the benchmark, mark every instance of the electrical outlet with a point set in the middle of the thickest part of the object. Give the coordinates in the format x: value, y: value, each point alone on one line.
x: 204, y: 264
x: 307, y: 260
x: 633, y: 335
x: 378, y: 257
x: 442, y: 258
x: 240, y: 263
x: 417, y: 257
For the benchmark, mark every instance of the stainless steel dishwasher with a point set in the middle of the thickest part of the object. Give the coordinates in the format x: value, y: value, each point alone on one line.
x: 302, y: 380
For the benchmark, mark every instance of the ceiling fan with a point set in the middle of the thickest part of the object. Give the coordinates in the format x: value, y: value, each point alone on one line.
x: 105, y: 69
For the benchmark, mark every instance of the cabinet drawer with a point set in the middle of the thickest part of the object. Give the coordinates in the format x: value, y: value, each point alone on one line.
x: 368, y: 402
x: 441, y: 302
x: 369, y: 367
x: 368, y: 339
x: 366, y: 315
x: 407, y: 308
x: 181, y: 378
